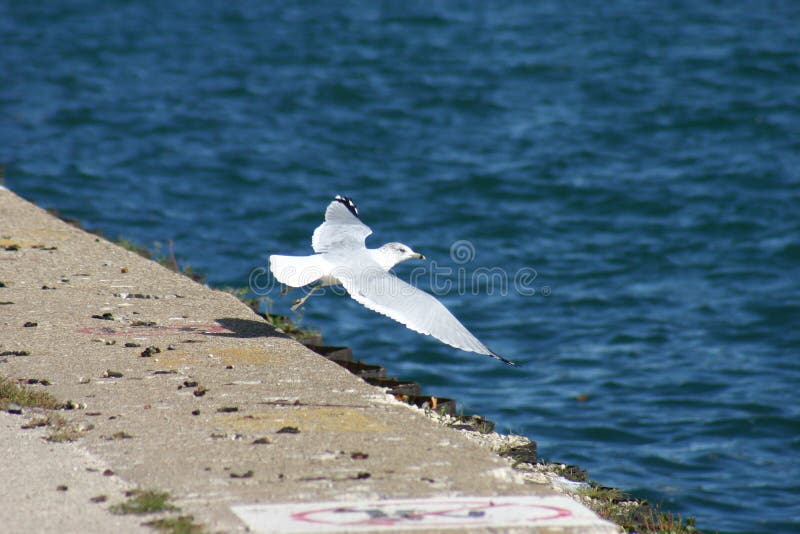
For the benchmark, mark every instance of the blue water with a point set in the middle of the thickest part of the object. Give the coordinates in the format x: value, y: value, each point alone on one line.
x: 642, y: 158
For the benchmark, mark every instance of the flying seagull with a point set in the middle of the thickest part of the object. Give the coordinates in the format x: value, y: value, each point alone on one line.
x: 342, y: 258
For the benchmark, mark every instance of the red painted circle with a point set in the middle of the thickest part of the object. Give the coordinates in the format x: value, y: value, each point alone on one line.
x: 464, y: 507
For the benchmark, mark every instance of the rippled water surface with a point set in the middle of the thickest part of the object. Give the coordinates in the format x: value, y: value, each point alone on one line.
x: 643, y: 159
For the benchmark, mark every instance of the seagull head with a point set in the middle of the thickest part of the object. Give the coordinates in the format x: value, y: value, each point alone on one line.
x: 394, y: 253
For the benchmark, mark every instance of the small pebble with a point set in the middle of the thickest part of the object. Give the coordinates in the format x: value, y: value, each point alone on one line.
x: 99, y: 498
x: 199, y: 392
x: 111, y: 374
x: 227, y: 409
x: 170, y: 347
x: 15, y: 353
x: 130, y: 344
x: 149, y: 351
x: 15, y: 409
x: 246, y: 474
x: 108, y: 473
x: 289, y: 430
x: 61, y: 487
x: 36, y: 423
x: 195, y: 412
x: 262, y: 441
x: 30, y: 324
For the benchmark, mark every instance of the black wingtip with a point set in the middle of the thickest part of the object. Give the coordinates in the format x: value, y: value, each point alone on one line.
x: 498, y: 357
x: 348, y: 203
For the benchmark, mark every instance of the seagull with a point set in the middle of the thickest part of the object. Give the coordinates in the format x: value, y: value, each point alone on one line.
x: 342, y: 258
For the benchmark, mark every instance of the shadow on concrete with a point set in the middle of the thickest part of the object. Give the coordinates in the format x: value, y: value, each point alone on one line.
x: 247, y: 328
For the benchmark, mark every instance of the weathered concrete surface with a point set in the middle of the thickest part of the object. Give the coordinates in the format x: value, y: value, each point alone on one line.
x: 193, y: 412
x: 49, y: 487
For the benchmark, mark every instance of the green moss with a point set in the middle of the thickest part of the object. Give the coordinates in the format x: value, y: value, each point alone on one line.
x: 13, y: 393
x: 144, y: 502
x: 176, y: 525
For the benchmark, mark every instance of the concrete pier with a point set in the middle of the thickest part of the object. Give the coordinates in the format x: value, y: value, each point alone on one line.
x: 226, y: 414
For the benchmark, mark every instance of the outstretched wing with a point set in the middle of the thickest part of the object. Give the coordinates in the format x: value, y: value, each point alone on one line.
x: 342, y: 228
x: 388, y: 295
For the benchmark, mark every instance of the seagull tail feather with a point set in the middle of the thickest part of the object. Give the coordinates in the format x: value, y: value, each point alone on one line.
x: 297, y: 271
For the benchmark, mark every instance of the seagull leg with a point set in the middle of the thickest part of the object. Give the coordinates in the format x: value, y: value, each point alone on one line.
x: 300, y: 302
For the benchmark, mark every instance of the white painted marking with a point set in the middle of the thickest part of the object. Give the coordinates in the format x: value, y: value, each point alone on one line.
x: 422, y: 514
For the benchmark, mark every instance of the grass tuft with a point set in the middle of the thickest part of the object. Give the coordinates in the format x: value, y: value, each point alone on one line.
x: 290, y: 327
x: 634, y: 515
x: 176, y: 525
x: 144, y: 502
x: 63, y: 430
x: 167, y: 260
x: 14, y: 393
x: 570, y: 472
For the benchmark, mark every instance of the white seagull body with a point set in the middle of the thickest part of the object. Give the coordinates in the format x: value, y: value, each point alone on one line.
x: 342, y: 258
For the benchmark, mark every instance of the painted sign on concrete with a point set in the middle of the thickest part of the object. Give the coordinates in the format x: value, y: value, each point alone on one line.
x: 413, y: 514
